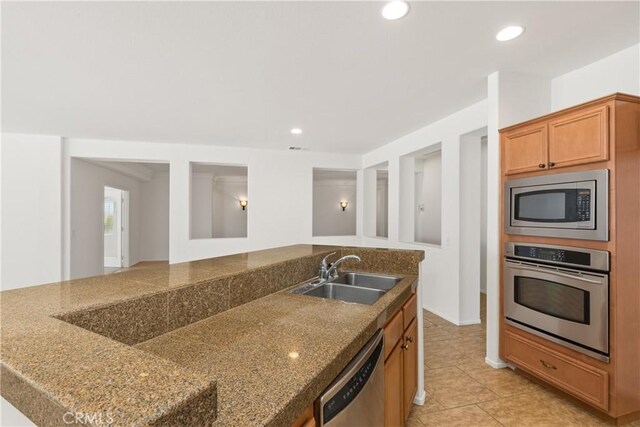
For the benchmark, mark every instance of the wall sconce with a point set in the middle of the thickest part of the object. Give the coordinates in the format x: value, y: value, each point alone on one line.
x: 343, y: 205
x: 243, y: 203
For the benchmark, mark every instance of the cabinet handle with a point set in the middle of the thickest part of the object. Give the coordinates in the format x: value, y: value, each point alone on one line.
x: 542, y: 165
x: 551, y: 164
x: 547, y: 364
x: 404, y: 346
x: 410, y: 339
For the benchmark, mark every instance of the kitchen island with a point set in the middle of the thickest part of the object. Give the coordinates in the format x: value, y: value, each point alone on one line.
x: 218, y: 341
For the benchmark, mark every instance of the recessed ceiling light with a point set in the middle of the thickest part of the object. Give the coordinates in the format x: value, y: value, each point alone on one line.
x: 510, y: 33
x: 395, y: 9
x: 296, y: 131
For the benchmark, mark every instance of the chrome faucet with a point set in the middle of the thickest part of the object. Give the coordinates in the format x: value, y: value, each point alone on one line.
x: 330, y: 273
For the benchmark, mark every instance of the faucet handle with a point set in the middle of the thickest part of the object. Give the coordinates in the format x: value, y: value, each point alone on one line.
x: 324, y: 263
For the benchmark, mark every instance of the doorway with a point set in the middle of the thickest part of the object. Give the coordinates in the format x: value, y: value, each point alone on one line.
x: 473, y: 231
x: 115, y: 229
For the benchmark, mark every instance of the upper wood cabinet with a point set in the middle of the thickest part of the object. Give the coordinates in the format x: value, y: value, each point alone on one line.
x: 578, y: 138
x: 573, y: 138
x: 525, y: 149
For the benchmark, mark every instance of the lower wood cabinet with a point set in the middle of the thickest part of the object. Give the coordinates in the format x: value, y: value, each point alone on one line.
x: 306, y: 419
x: 410, y: 362
x: 585, y: 382
x: 393, y: 388
x: 401, y: 364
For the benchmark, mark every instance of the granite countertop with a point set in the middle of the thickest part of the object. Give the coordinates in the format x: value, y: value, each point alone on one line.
x: 257, y: 356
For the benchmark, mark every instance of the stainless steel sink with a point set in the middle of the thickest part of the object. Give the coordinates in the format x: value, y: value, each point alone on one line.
x: 346, y: 293
x: 367, y: 280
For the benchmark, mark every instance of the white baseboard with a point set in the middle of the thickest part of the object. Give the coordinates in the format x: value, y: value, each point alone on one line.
x: 494, y: 364
x: 420, y: 398
x: 454, y: 321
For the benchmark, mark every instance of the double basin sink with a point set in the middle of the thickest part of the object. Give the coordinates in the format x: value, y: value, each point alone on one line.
x: 361, y: 288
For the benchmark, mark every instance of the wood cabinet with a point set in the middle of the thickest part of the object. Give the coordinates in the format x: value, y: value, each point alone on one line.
x: 401, y: 363
x: 583, y: 381
x: 306, y: 419
x: 525, y: 149
x: 576, y: 138
x: 410, y: 362
x: 393, y: 388
x: 600, y: 134
x: 579, y: 138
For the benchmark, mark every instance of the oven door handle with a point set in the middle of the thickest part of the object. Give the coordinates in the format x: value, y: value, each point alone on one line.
x: 555, y: 272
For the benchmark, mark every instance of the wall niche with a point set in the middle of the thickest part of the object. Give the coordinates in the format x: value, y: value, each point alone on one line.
x: 219, y: 202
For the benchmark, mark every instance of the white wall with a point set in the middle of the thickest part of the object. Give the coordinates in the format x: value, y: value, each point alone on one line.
x: 328, y: 217
x: 201, y: 205
x: 619, y: 72
x: 483, y: 215
x: 229, y: 219
x: 280, y: 192
x: 440, y: 279
x: 31, y: 215
x: 154, y: 226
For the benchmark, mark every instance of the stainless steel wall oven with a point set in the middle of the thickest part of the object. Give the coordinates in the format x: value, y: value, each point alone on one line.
x: 560, y: 293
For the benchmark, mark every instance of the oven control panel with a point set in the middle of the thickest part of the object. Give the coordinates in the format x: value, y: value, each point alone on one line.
x: 551, y: 254
x: 561, y: 255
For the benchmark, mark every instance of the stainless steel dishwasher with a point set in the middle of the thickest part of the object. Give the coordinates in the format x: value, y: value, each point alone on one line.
x: 356, y: 397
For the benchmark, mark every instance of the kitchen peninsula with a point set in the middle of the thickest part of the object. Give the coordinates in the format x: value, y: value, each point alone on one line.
x: 217, y: 341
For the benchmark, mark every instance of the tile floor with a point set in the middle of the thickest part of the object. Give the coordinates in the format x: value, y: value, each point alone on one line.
x: 464, y: 391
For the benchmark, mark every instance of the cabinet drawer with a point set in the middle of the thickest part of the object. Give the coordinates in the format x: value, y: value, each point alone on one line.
x: 409, y: 311
x: 392, y: 333
x: 579, y: 379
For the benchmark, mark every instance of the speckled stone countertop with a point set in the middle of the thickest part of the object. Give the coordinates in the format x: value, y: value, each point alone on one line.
x: 217, y: 339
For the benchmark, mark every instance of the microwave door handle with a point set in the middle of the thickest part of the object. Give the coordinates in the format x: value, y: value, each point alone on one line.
x: 559, y: 273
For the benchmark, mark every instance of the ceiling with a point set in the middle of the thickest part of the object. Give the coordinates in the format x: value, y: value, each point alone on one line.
x: 245, y: 73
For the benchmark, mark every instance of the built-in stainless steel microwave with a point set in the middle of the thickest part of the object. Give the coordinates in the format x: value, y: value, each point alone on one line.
x: 570, y: 205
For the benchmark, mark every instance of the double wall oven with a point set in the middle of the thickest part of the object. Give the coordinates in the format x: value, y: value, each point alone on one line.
x: 559, y: 292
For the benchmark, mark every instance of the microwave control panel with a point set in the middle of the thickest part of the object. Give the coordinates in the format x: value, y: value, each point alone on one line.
x: 583, y: 205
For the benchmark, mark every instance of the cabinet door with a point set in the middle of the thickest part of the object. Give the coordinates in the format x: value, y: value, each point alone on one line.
x: 393, y: 405
x: 410, y: 362
x: 525, y: 149
x: 582, y: 137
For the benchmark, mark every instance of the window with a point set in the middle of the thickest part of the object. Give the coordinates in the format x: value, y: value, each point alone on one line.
x: 109, y: 215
